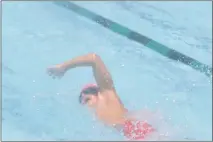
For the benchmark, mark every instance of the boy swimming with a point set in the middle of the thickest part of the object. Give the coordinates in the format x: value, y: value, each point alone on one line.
x: 103, y: 98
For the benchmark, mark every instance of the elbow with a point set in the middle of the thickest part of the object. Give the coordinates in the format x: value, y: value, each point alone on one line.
x: 95, y: 57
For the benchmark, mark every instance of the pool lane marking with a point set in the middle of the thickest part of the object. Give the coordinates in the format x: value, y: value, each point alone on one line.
x: 132, y: 35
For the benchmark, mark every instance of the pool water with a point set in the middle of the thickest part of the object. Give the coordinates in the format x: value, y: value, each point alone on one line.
x: 39, y: 34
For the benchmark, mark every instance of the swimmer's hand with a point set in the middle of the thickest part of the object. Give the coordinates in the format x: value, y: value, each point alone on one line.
x: 56, y: 71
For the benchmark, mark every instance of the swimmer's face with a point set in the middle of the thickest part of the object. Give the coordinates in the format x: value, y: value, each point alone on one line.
x: 89, y: 96
x: 90, y: 100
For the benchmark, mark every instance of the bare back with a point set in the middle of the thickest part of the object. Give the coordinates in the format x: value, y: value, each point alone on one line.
x: 109, y: 108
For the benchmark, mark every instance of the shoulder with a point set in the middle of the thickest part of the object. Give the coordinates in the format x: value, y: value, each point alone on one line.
x: 111, y: 95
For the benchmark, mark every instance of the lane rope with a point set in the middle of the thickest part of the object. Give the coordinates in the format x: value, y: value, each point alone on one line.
x: 137, y: 37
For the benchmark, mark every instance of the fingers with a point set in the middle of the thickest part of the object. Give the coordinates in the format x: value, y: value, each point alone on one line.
x: 54, y: 73
x: 49, y: 72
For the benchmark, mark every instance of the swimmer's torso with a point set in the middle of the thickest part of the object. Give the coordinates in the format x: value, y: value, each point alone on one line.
x: 109, y: 108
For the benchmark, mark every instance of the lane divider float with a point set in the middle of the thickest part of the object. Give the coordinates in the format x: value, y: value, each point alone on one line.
x: 137, y: 37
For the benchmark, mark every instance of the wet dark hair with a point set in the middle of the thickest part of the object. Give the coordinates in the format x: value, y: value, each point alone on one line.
x: 88, y: 91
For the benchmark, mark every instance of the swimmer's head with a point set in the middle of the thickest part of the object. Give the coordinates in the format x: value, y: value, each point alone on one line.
x: 89, y: 94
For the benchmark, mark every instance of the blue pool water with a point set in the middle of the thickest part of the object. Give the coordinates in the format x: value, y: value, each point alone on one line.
x: 39, y: 34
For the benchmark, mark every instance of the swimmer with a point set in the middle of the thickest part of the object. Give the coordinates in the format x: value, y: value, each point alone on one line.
x: 103, y: 98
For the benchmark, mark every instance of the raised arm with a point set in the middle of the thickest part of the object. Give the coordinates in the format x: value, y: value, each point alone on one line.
x: 100, y: 72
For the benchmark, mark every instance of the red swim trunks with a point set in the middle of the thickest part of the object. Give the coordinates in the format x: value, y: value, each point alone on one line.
x: 137, y: 130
